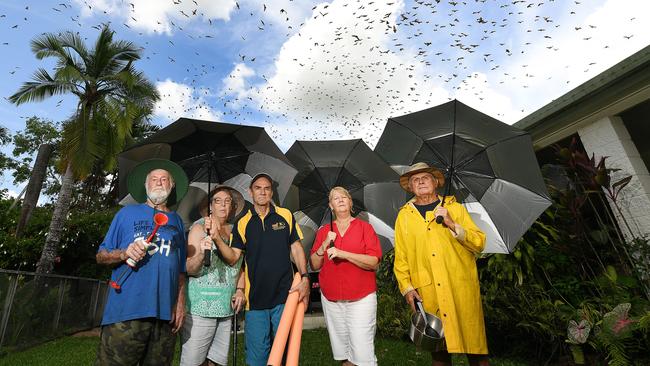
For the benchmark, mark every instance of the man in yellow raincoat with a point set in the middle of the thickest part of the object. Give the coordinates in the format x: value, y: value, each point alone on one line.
x: 437, y: 265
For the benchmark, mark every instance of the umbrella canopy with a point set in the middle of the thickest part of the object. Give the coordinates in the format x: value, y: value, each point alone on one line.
x: 322, y: 165
x: 494, y: 170
x: 214, y: 152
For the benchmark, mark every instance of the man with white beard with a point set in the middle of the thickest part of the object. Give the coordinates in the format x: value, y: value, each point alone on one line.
x: 146, y: 307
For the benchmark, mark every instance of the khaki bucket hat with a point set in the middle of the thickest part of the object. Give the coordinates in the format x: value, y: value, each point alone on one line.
x: 421, y: 168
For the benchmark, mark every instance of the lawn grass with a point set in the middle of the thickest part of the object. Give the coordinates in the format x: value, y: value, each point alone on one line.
x: 315, y: 350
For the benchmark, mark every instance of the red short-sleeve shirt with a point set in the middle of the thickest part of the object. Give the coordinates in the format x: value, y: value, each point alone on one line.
x: 340, y: 279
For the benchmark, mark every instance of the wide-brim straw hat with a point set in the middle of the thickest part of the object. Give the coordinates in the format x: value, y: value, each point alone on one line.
x: 420, y: 168
x: 237, y: 198
x: 137, y: 176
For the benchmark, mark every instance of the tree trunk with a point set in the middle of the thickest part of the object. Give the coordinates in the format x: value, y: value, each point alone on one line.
x: 34, y: 186
x: 46, y: 263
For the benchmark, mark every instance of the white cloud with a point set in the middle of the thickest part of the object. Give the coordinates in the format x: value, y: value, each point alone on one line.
x: 476, y: 92
x: 179, y: 100
x: 575, y: 52
x: 235, y: 83
x: 336, y: 79
x: 157, y: 15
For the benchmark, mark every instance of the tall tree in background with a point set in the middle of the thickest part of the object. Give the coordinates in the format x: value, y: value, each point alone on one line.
x: 41, y: 136
x: 111, y: 96
x: 37, y: 131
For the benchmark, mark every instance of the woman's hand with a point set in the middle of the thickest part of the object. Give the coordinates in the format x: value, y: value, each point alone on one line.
x: 335, y: 252
x: 330, y: 238
x: 214, y: 227
x: 205, y: 244
x: 238, y: 300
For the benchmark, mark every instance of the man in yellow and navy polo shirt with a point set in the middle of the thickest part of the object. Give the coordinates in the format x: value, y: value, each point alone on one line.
x: 271, y: 239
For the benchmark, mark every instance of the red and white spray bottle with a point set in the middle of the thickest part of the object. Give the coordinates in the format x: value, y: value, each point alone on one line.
x: 159, y: 219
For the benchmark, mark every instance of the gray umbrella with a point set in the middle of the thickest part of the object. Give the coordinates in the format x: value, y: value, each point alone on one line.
x: 211, y: 153
x: 322, y: 165
x: 490, y: 166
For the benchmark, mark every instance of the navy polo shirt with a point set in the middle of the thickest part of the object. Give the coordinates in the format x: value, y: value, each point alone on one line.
x: 267, y: 242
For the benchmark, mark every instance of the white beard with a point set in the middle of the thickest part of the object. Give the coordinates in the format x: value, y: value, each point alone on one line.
x: 158, y: 196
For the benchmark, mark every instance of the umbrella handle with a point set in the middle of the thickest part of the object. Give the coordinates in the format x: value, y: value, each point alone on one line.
x: 207, y: 257
x: 207, y: 253
x: 439, y: 219
x: 331, y: 244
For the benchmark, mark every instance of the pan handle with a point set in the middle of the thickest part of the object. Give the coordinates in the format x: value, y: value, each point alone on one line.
x: 418, y: 305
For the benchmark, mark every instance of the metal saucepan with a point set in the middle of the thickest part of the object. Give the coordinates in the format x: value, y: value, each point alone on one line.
x: 426, y: 330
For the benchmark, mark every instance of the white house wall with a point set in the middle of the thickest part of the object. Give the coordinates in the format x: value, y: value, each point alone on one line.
x: 609, y: 137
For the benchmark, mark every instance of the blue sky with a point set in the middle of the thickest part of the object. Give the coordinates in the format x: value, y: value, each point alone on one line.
x: 333, y: 70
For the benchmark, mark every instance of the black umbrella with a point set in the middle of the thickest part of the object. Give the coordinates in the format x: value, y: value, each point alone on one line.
x: 490, y: 166
x: 212, y: 153
x: 322, y: 165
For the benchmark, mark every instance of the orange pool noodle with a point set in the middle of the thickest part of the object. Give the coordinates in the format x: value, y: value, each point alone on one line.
x: 293, y: 351
x: 280, y: 340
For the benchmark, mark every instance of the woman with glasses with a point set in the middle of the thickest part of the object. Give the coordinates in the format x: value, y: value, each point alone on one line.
x: 215, y: 292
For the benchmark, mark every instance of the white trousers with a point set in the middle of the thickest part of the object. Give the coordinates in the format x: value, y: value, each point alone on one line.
x: 352, y: 326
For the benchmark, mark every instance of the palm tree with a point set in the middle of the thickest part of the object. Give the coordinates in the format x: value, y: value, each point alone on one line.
x: 111, y: 94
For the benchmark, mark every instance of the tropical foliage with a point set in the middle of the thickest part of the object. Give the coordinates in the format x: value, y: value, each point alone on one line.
x: 81, y: 237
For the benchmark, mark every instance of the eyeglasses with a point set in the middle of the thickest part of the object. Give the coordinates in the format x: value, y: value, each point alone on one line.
x: 219, y: 201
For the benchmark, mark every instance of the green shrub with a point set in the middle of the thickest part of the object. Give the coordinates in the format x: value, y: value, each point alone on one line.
x: 393, y: 313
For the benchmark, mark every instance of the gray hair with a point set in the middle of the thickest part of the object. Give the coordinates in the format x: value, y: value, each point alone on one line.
x: 171, y: 177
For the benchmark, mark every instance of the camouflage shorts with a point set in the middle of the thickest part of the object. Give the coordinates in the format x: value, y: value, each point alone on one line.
x: 136, y: 342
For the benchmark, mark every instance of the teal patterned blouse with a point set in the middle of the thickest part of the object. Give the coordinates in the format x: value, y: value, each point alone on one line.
x: 209, y: 294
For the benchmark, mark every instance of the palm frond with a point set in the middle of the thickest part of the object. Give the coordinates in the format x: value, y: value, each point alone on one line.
x: 101, y: 53
x: 124, y: 51
x: 118, y: 57
x: 47, y: 45
x: 141, y: 90
x: 75, y: 42
x: 71, y: 60
x: 69, y: 74
x: 42, y: 87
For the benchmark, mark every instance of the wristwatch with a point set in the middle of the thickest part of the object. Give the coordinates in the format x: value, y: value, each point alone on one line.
x: 304, y: 275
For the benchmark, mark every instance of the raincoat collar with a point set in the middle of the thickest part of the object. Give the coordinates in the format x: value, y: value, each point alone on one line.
x: 410, y: 203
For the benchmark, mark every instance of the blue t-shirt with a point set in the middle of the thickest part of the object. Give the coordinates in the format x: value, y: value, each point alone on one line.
x: 149, y: 291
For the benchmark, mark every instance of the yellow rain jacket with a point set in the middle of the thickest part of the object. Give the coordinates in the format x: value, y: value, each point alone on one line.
x: 441, y: 266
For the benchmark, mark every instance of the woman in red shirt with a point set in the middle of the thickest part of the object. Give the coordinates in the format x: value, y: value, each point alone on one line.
x: 347, y: 281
